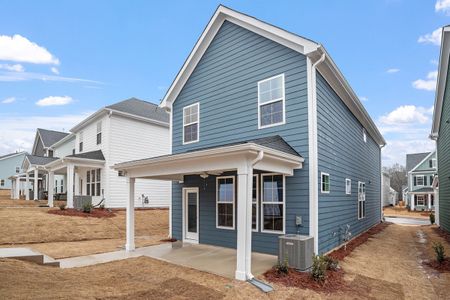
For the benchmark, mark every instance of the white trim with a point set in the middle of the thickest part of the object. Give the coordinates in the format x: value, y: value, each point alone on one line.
x: 359, y: 199
x: 257, y: 203
x: 191, y: 123
x: 321, y: 183
x: 283, y: 203
x: 233, y: 203
x: 348, y: 192
x: 183, y: 217
x: 364, y: 135
x: 422, y: 161
x: 282, y: 99
x: 423, y: 180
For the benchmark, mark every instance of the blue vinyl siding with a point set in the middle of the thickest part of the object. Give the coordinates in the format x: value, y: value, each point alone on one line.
x: 225, y: 84
x: 343, y: 154
x: 8, y: 168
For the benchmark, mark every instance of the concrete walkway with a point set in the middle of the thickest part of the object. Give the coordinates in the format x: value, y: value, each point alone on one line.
x: 407, y: 221
x: 211, y: 259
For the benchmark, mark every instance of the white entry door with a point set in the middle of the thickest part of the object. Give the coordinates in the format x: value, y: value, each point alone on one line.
x: 190, y: 214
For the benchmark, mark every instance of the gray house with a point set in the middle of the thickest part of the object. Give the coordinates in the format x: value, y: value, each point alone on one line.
x: 267, y: 139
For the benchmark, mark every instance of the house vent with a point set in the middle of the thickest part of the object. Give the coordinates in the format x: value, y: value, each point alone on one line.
x: 297, y: 249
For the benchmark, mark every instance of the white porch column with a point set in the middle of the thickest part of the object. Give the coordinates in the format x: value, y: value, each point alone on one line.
x: 69, y: 183
x: 27, y: 186
x: 12, y: 189
x: 36, y: 181
x: 17, y: 190
x: 429, y: 201
x: 129, y: 246
x: 51, y: 183
x: 244, y: 222
x: 413, y: 202
x: 77, y: 183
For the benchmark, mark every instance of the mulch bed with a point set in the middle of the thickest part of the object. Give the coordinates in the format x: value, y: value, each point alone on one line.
x: 442, y: 233
x: 441, y: 267
x: 342, y: 252
x: 95, y: 213
x: 334, y: 280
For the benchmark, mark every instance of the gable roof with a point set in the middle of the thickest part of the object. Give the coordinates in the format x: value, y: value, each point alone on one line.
x: 441, y: 81
x: 131, y: 108
x: 39, y: 160
x: 313, y: 50
x: 49, y: 137
x: 95, y: 155
x: 413, y: 159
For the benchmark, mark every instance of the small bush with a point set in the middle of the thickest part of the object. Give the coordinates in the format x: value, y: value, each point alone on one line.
x: 87, y: 208
x: 439, y: 251
x: 332, y: 264
x: 432, y: 218
x: 319, y: 268
x: 283, y: 267
x: 62, y: 206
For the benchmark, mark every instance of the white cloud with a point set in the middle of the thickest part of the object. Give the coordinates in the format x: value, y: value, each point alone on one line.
x: 14, y: 68
x: 396, y: 149
x: 443, y: 6
x: 393, y: 70
x: 54, y: 70
x: 407, y: 114
x: 431, y: 38
x: 363, y: 98
x: 9, y: 100
x: 20, y: 49
x: 428, y: 84
x: 18, y: 131
x: 54, y: 100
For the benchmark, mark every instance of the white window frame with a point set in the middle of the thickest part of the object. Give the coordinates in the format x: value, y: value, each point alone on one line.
x: 423, y: 200
x: 321, y: 183
x: 361, y: 199
x: 283, y: 99
x: 217, y: 202
x: 364, y: 135
x: 255, y: 177
x: 187, y: 124
x: 17, y: 170
x: 348, y: 186
x: 262, y: 204
x: 99, y: 131
x: 433, y: 163
x: 417, y: 180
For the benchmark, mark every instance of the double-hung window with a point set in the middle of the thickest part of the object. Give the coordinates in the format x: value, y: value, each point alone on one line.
x: 93, y: 182
x: 225, y: 197
x: 272, y: 200
x: 325, y: 183
x: 255, y: 197
x: 271, y: 100
x: 80, y: 142
x: 419, y: 180
x: 361, y: 200
x: 99, y: 133
x: 348, y: 186
x: 191, y: 116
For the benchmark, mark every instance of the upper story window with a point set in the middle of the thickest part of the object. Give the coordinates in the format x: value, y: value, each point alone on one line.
x: 50, y: 153
x: 191, y: 116
x: 17, y: 169
x: 348, y: 186
x: 325, y: 183
x: 2, y: 182
x: 80, y: 142
x: 364, y: 135
x: 432, y: 163
x: 419, y: 180
x: 271, y: 110
x: 99, y: 133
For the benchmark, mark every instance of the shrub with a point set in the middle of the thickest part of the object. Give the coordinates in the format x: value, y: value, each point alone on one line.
x: 87, y: 208
x: 283, y: 267
x: 319, y: 268
x: 62, y: 206
x: 332, y: 264
x: 432, y: 218
x: 439, y: 251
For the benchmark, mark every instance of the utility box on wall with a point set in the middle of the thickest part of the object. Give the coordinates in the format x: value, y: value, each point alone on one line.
x: 297, y: 249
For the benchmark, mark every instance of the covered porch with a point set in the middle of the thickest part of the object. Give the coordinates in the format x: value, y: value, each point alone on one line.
x: 21, y: 184
x: 271, y: 155
x: 422, y: 199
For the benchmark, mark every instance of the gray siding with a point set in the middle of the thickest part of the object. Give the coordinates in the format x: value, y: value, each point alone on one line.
x: 344, y: 154
x: 443, y: 150
x: 225, y: 84
x: 39, y: 148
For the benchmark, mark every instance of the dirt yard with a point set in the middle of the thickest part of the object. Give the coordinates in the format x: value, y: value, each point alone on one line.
x: 66, y: 236
x: 389, y: 266
x: 397, y: 211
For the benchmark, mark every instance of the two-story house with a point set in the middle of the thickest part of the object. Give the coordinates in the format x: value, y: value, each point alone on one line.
x: 10, y: 166
x: 267, y: 138
x: 440, y: 132
x: 421, y: 170
x: 79, y: 163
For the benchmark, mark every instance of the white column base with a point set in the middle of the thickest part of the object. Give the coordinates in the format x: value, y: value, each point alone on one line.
x: 240, y: 275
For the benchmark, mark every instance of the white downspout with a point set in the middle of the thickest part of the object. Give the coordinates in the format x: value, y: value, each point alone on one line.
x: 248, y: 227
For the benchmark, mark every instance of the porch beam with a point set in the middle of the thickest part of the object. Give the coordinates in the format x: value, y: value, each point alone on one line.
x: 130, y: 246
x: 51, y: 183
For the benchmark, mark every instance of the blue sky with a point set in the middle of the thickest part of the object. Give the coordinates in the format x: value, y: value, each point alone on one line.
x: 88, y: 54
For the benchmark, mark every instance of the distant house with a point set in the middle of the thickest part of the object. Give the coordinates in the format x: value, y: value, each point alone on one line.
x: 421, y: 169
x: 10, y: 164
x: 441, y: 132
x: 385, y: 189
x: 267, y: 138
x: 393, y: 197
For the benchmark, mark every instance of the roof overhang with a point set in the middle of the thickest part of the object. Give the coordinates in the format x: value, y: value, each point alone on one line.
x: 77, y: 161
x: 441, y: 81
x: 328, y: 69
x: 216, y: 160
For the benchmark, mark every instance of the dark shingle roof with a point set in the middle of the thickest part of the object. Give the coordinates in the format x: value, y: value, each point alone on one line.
x: 97, y: 155
x: 40, y: 160
x: 141, y: 108
x: 424, y: 190
x: 49, y: 137
x: 414, y: 159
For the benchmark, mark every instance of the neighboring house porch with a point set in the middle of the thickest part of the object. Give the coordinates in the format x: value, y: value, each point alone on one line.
x: 422, y: 199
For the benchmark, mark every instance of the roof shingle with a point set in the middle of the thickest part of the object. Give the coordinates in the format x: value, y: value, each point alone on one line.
x: 49, y: 137
x: 141, y: 108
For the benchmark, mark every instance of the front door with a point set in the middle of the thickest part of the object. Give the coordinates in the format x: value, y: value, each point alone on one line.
x: 190, y: 211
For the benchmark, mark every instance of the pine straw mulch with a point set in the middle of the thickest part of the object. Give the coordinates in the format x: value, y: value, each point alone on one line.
x: 334, y: 280
x: 95, y: 213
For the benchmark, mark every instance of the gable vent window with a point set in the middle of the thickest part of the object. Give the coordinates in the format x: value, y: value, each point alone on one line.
x: 80, y: 145
x: 271, y: 100
x: 50, y: 153
x: 432, y: 163
x: 99, y: 133
x: 191, y: 116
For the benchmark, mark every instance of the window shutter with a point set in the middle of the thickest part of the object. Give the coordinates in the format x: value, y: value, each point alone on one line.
x: 425, y: 180
x: 415, y: 181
